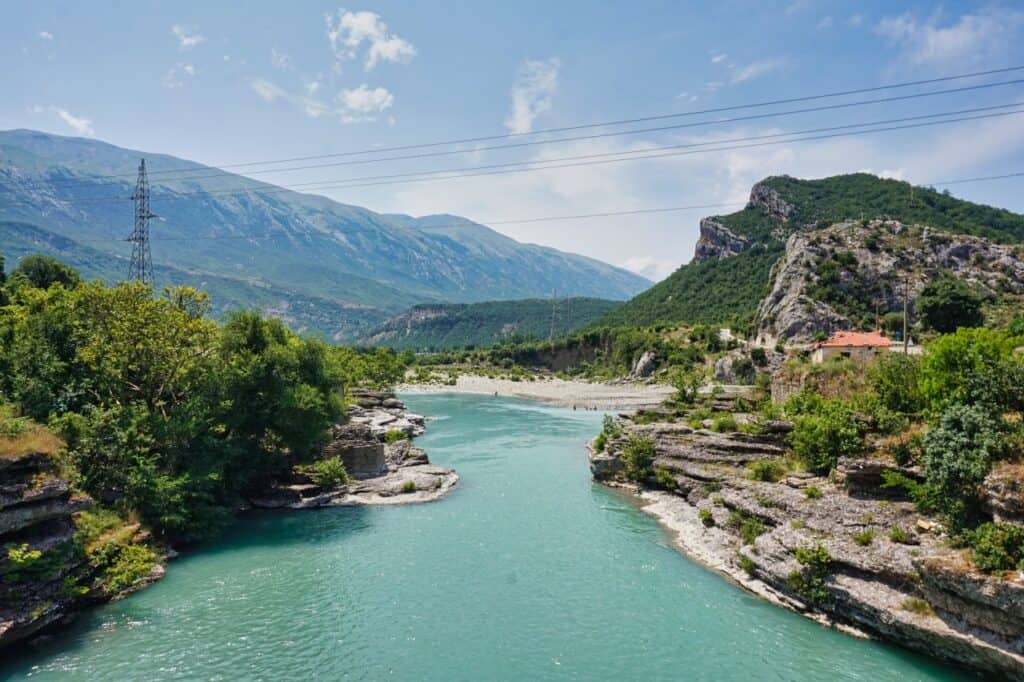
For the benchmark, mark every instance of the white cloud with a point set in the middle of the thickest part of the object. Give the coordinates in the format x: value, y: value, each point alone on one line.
x: 349, y: 31
x: 718, y: 57
x: 655, y: 244
x: 756, y: 69
x: 534, y: 88
x: 80, y: 124
x: 855, y: 20
x: 187, y: 39
x: 361, y: 103
x: 354, y: 105
x: 279, y: 59
x: 45, y: 35
x: 971, y: 37
x: 313, y: 85
x: 797, y: 6
x: 826, y: 22
x: 175, y: 76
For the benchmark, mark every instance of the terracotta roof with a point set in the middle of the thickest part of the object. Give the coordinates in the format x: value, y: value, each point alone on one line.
x: 856, y: 339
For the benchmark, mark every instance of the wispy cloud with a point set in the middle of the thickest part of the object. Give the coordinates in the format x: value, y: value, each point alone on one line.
x: 80, y: 124
x: 362, y: 104
x: 45, y: 35
x: 176, y: 75
x: 826, y: 22
x: 718, y: 57
x: 187, y: 39
x: 351, y: 32
x: 280, y: 59
x: 756, y: 69
x: 971, y: 37
x: 855, y: 20
x: 532, y: 93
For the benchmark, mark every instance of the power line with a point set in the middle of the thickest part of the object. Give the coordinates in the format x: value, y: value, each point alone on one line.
x: 579, y: 216
x: 609, y: 157
x: 219, y: 173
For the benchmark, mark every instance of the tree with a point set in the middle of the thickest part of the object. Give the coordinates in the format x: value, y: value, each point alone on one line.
x: 43, y: 271
x: 947, y: 303
x: 953, y: 363
x: 958, y: 454
x: 896, y: 379
x: 687, y: 384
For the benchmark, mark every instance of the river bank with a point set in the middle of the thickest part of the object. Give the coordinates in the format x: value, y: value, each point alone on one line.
x: 841, y: 550
x: 554, y: 391
x: 530, y: 571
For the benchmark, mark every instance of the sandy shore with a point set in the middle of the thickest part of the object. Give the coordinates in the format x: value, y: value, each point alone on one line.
x: 580, y: 394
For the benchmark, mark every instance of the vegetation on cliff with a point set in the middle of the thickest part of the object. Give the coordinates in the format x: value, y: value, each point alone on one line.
x: 728, y: 290
x: 165, y: 413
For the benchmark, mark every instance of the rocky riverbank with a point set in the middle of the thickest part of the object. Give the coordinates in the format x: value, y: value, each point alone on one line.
x: 383, y: 465
x: 841, y: 550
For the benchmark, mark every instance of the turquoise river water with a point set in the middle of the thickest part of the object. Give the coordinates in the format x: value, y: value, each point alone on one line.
x: 528, y: 571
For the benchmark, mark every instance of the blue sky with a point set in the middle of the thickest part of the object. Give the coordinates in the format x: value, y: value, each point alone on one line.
x: 225, y: 83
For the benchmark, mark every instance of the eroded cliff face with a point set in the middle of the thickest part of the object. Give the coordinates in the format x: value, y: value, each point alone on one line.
x: 904, y: 585
x: 875, y: 261
x: 718, y: 241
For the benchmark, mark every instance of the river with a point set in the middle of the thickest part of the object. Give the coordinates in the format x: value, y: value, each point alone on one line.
x: 527, y: 571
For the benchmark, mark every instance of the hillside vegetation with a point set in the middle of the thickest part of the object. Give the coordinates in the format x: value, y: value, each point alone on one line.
x: 728, y: 291
x: 460, y: 325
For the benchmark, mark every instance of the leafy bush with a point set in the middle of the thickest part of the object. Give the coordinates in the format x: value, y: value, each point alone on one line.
x: 706, y: 517
x: 810, y: 581
x: 958, y: 454
x: 747, y: 564
x: 665, y: 478
x: 998, y: 546
x: 725, y: 423
x: 767, y: 470
x: 823, y: 431
x: 133, y: 562
x: 409, y: 487
x: 751, y: 528
x: 637, y: 455
x: 896, y: 379
x: 25, y: 563
x: 812, y: 492
x: 393, y: 436
x: 328, y: 473
x: 609, y: 429
x: 687, y: 384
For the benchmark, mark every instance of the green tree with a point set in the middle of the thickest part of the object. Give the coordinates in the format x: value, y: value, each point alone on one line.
x: 42, y: 272
x: 896, y: 379
x: 958, y: 454
x: 952, y: 364
x: 947, y: 303
x: 823, y: 431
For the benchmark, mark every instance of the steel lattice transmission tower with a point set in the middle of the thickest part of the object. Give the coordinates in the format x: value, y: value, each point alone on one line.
x: 141, y: 267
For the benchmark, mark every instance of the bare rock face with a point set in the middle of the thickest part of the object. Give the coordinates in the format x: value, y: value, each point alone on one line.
x: 644, y: 366
x: 875, y: 257
x: 989, y: 602
x: 718, y: 241
x: 763, y: 196
x: 1003, y: 493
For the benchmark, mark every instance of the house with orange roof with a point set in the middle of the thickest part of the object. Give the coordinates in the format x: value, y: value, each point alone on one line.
x: 853, y: 345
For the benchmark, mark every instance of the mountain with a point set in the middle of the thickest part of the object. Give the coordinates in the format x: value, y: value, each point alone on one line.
x: 330, y: 267
x: 453, y: 325
x: 731, y: 270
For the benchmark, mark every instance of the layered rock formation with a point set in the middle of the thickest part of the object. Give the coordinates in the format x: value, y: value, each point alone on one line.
x: 880, y: 568
x: 383, y: 465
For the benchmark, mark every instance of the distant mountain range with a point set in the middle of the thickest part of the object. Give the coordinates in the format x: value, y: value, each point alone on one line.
x: 731, y: 271
x: 435, y: 327
x: 322, y: 266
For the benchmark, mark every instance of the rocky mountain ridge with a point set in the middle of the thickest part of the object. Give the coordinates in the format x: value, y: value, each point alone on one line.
x: 275, y: 247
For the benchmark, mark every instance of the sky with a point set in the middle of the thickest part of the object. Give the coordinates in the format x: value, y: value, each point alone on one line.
x: 229, y: 83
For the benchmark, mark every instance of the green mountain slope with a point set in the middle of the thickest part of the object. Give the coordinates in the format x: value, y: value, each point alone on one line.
x: 278, y: 240
x: 442, y: 327
x: 729, y: 275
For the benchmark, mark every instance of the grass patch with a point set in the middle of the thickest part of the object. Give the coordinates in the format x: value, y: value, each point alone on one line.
x: 766, y: 470
x: 706, y: 518
x: 409, y: 487
x: 899, y: 535
x: 918, y: 606
x: 813, y: 492
x: 747, y: 564
x: 393, y: 436
x: 864, y: 537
